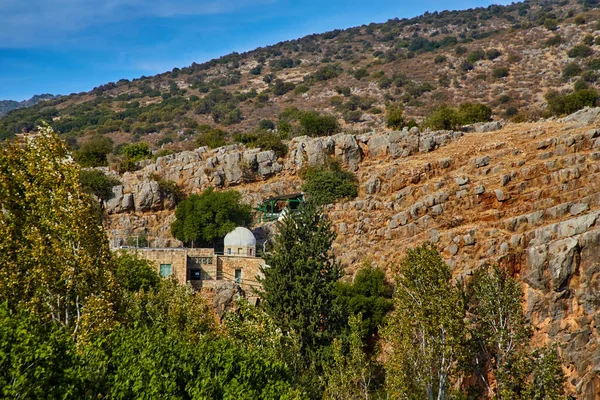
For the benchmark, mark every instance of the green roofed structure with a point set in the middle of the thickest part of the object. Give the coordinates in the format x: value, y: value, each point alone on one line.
x: 275, y: 207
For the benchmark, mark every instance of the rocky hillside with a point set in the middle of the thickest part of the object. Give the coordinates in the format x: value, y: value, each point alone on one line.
x: 525, y: 196
x: 507, y: 57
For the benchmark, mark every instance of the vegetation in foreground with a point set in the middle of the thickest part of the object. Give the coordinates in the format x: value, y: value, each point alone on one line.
x: 77, y: 321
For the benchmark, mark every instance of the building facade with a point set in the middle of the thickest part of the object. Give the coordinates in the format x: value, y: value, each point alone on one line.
x: 203, y: 268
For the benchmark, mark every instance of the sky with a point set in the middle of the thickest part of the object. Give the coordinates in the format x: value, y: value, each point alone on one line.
x: 71, y: 46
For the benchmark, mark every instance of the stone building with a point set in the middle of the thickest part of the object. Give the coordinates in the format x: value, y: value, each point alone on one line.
x: 204, y: 268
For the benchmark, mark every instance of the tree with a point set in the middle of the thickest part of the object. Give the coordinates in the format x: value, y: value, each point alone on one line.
x: 353, y: 374
x: 93, y: 152
x: 298, y: 288
x: 134, y: 273
x: 469, y: 113
x: 426, y: 333
x: 443, y: 117
x: 53, y: 251
x: 202, y: 219
x: 326, y: 185
x: 394, y: 116
x: 368, y: 295
x: 314, y: 124
x: 97, y: 183
x: 498, y: 324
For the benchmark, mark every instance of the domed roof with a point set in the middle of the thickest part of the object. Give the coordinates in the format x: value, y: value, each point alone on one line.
x: 240, y: 236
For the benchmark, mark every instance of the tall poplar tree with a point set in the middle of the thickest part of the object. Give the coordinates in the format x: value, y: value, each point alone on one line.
x: 426, y: 333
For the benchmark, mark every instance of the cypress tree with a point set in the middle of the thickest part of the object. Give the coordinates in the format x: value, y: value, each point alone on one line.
x: 300, y: 278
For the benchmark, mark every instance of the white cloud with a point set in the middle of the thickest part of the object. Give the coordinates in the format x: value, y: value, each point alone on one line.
x: 30, y: 22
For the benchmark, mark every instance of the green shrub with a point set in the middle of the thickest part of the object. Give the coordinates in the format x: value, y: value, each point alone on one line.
x: 280, y: 88
x: 266, y: 124
x: 97, y: 183
x: 551, y: 24
x: 581, y: 51
x: 169, y: 188
x: 469, y: 113
x: 579, y: 20
x: 594, y: 64
x: 570, y: 70
x: 301, y: 89
x: 210, y: 137
x: 352, y: 116
x: 476, y: 55
x: 439, y: 59
x: 314, y: 124
x: 492, y: 54
x: 136, y: 151
x: 500, y: 72
x: 361, y: 73
x: 394, y: 116
x: 588, y: 40
x: 443, y: 117
x: 326, y: 185
x: 559, y: 104
x: 554, y: 40
x: 93, y: 152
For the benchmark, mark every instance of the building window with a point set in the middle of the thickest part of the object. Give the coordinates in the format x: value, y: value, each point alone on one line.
x: 229, y: 250
x: 240, y: 250
x: 250, y: 252
x: 196, y: 274
x: 238, y: 276
x: 165, y: 270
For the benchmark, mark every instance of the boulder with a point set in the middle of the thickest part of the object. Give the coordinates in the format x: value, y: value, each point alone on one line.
x: 562, y: 262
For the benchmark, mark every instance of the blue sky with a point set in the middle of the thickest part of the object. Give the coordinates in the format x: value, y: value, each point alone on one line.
x: 66, y: 46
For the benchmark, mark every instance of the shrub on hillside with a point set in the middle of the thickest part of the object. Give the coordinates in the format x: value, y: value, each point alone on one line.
x: 314, y: 124
x: 570, y: 70
x: 93, y: 152
x: 559, y: 104
x: 327, y: 184
x: 443, y: 117
x: 97, y: 183
x: 500, y: 72
x: 394, y: 116
x: 469, y: 113
x: 581, y: 51
x: 210, y: 137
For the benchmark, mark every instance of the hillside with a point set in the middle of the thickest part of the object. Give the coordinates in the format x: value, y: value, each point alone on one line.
x: 506, y: 57
x: 525, y: 196
x: 7, y: 106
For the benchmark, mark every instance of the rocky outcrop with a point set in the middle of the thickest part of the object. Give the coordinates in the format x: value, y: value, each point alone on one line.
x: 526, y: 197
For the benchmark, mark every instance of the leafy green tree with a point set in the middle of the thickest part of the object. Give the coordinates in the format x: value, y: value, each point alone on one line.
x: 443, y: 117
x: 210, y: 137
x: 352, y: 374
x: 134, y: 273
x: 314, y: 124
x: 327, y: 184
x: 548, y: 382
x: 97, y: 183
x: 37, y: 358
x: 54, y: 253
x: 498, y: 324
x: 300, y: 267
x: 202, y: 219
x: 93, y: 152
x: 369, y: 295
x: 136, y: 151
x: 394, y: 116
x: 426, y: 332
x: 469, y: 113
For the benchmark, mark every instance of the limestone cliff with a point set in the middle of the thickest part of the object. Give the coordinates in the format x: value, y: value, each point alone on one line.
x: 525, y: 196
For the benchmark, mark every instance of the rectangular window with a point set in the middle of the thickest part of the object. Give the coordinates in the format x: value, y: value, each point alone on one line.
x: 240, y: 250
x: 229, y: 250
x: 238, y: 276
x: 165, y: 270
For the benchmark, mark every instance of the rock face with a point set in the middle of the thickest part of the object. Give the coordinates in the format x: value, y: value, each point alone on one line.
x: 534, y: 211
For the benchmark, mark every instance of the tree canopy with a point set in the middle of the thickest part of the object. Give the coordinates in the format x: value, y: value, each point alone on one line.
x: 202, y: 219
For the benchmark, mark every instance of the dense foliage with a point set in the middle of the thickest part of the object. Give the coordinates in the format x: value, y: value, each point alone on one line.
x: 202, y: 219
x: 330, y: 183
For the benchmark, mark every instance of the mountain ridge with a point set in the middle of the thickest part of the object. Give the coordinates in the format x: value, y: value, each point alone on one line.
x: 7, y: 106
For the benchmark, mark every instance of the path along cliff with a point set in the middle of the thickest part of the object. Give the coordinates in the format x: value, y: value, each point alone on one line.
x: 524, y: 196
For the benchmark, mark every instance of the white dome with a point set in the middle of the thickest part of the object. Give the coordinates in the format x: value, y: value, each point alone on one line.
x: 240, y: 236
